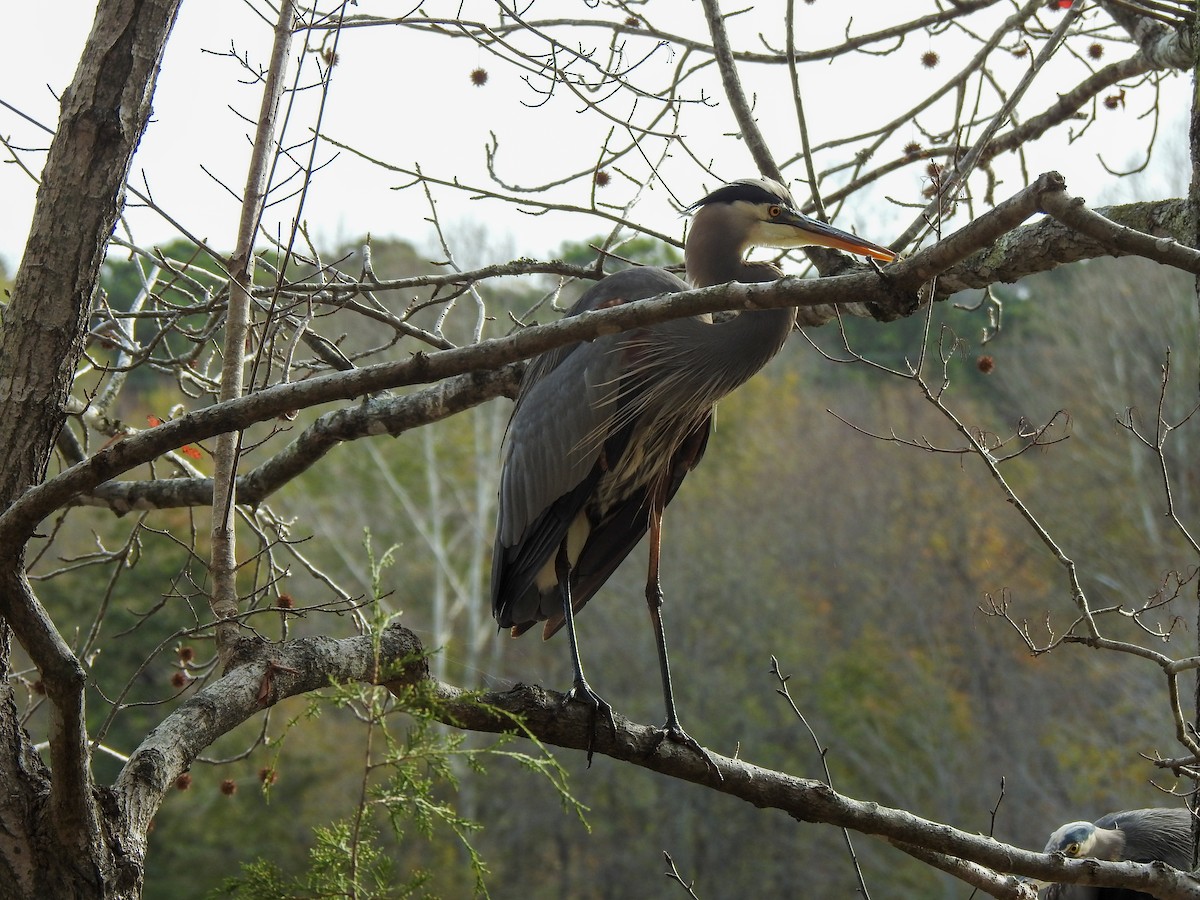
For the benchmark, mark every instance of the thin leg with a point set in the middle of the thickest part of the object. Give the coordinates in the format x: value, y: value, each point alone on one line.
x: 672, y: 730
x: 654, y: 600
x: 579, y: 690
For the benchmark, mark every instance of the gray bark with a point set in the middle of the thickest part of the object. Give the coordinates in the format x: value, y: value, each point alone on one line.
x: 55, y: 840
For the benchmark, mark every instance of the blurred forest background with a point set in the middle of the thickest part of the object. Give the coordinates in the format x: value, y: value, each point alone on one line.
x: 856, y: 583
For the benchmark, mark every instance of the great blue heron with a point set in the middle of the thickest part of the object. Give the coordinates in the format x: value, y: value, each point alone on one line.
x: 604, y: 432
x: 1136, y: 835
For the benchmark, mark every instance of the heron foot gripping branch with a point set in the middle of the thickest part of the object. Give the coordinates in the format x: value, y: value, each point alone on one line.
x: 582, y: 693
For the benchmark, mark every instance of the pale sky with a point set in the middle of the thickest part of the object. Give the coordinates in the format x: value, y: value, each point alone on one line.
x: 406, y: 99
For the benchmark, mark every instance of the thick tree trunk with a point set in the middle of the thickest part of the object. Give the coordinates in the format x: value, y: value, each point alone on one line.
x: 1194, y: 216
x: 55, y: 839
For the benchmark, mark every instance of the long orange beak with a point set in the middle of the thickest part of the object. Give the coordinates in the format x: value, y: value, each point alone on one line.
x: 827, y: 236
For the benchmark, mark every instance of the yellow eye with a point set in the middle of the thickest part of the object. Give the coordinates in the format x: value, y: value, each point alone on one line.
x: 1072, y: 849
x: 775, y: 212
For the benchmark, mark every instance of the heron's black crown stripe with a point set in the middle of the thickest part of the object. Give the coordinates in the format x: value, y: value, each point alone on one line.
x: 750, y: 191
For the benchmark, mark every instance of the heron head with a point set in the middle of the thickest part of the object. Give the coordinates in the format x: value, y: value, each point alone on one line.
x: 759, y: 212
x: 1080, y: 839
x: 1073, y: 839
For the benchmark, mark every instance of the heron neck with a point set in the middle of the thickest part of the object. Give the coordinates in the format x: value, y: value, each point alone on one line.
x: 710, y: 262
x: 728, y: 351
x: 756, y: 334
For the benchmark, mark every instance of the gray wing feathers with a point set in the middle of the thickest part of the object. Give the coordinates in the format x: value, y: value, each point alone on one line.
x: 1154, y: 834
x: 551, y: 457
x: 552, y: 446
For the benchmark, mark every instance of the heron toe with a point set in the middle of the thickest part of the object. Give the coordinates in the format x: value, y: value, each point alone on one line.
x: 582, y: 693
x: 676, y: 735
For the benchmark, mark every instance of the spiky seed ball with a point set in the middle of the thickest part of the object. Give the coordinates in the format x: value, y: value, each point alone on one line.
x: 912, y: 148
x: 179, y: 681
x: 479, y: 77
x: 186, y: 654
x: 183, y: 781
x: 286, y: 601
x: 633, y: 22
x: 929, y: 59
x: 1095, y: 51
x: 228, y: 787
x: 602, y: 178
x: 985, y: 364
x: 267, y: 775
x: 933, y: 170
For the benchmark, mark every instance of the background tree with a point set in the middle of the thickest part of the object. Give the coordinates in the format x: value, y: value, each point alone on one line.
x: 210, y: 563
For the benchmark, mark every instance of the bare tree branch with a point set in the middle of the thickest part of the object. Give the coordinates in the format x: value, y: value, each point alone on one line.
x: 263, y: 674
x: 1071, y: 211
x: 373, y: 417
x: 542, y: 715
x: 223, y: 556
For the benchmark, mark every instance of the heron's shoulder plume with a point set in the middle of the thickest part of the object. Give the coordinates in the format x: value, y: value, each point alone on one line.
x: 752, y: 190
